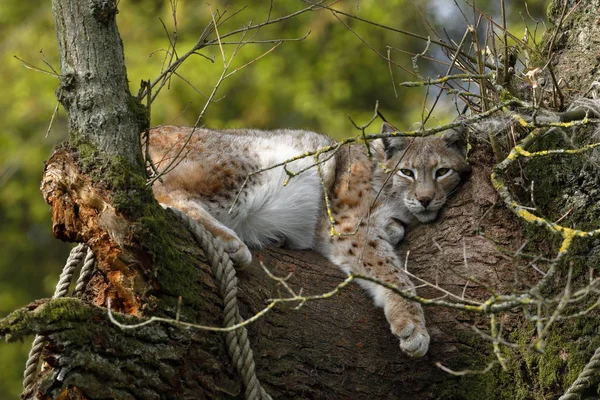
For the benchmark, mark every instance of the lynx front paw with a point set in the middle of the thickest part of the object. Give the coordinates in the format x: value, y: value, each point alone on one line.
x: 408, y: 324
x: 414, y: 339
x: 395, y: 231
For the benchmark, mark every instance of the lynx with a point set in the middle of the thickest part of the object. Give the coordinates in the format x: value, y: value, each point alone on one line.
x: 374, y: 195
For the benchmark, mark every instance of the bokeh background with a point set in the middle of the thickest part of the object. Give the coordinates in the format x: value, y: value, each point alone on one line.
x: 314, y: 84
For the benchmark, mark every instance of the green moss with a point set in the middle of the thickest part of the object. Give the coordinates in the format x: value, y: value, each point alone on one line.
x: 568, y: 348
x: 531, y: 375
x: 505, y: 96
x: 565, y: 187
x: 127, y: 187
x: 163, y: 240
x: 139, y: 112
x: 56, y: 313
x: 87, y: 152
x: 540, y: 239
x: 550, y: 9
x: 129, y: 194
x: 166, y: 241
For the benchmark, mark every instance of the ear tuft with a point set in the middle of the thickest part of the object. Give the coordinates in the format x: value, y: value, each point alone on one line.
x: 393, y: 144
x: 456, y: 139
x: 386, y: 127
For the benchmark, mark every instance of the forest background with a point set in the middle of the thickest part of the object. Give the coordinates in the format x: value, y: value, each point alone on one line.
x: 314, y: 84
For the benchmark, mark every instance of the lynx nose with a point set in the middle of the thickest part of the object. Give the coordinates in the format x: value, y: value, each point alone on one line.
x: 424, y: 200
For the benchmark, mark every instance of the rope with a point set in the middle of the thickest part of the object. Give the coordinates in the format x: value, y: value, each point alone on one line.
x: 584, y: 380
x: 62, y: 287
x: 237, y: 341
x: 86, y: 272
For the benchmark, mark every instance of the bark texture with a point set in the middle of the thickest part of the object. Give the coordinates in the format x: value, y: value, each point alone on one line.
x: 573, y: 45
x: 94, y: 88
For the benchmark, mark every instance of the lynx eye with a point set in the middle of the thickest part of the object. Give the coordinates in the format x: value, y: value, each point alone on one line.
x: 442, y: 172
x: 407, y: 172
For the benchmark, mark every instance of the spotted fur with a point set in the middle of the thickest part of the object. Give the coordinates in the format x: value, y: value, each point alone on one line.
x: 373, y: 199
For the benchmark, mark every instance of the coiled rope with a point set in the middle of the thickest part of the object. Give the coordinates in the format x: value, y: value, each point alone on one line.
x: 585, y: 378
x: 238, y: 345
x: 237, y: 341
x: 76, y: 258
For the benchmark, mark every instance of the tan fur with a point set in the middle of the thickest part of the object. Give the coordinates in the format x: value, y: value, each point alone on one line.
x: 373, y: 199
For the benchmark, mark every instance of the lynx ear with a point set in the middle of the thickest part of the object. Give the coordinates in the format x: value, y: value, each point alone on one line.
x: 456, y: 139
x: 386, y: 127
x: 392, y: 145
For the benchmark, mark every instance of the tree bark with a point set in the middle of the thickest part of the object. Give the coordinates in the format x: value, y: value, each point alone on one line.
x: 336, y: 348
x: 94, y: 88
x: 573, y: 46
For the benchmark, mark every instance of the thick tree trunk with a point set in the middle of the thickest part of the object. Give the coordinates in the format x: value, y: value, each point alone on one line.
x: 338, y: 348
x: 94, y: 88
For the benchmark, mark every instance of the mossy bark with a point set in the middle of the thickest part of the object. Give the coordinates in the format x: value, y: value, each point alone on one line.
x: 563, y: 188
x: 572, y: 44
x: 89, y: 357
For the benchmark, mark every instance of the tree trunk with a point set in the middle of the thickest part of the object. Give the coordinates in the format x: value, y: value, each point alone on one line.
x: 338, y: 348
x: 573, y: 45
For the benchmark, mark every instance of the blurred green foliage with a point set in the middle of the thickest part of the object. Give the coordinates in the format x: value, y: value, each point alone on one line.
x: 315, y: 83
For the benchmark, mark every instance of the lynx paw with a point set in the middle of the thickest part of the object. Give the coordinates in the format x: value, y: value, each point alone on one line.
x: 237, y: 250
x: 395, y: 231
x: 232, y: 244
x: 414, y: 339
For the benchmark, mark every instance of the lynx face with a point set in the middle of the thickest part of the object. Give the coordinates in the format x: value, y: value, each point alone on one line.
x: 425, y: 171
